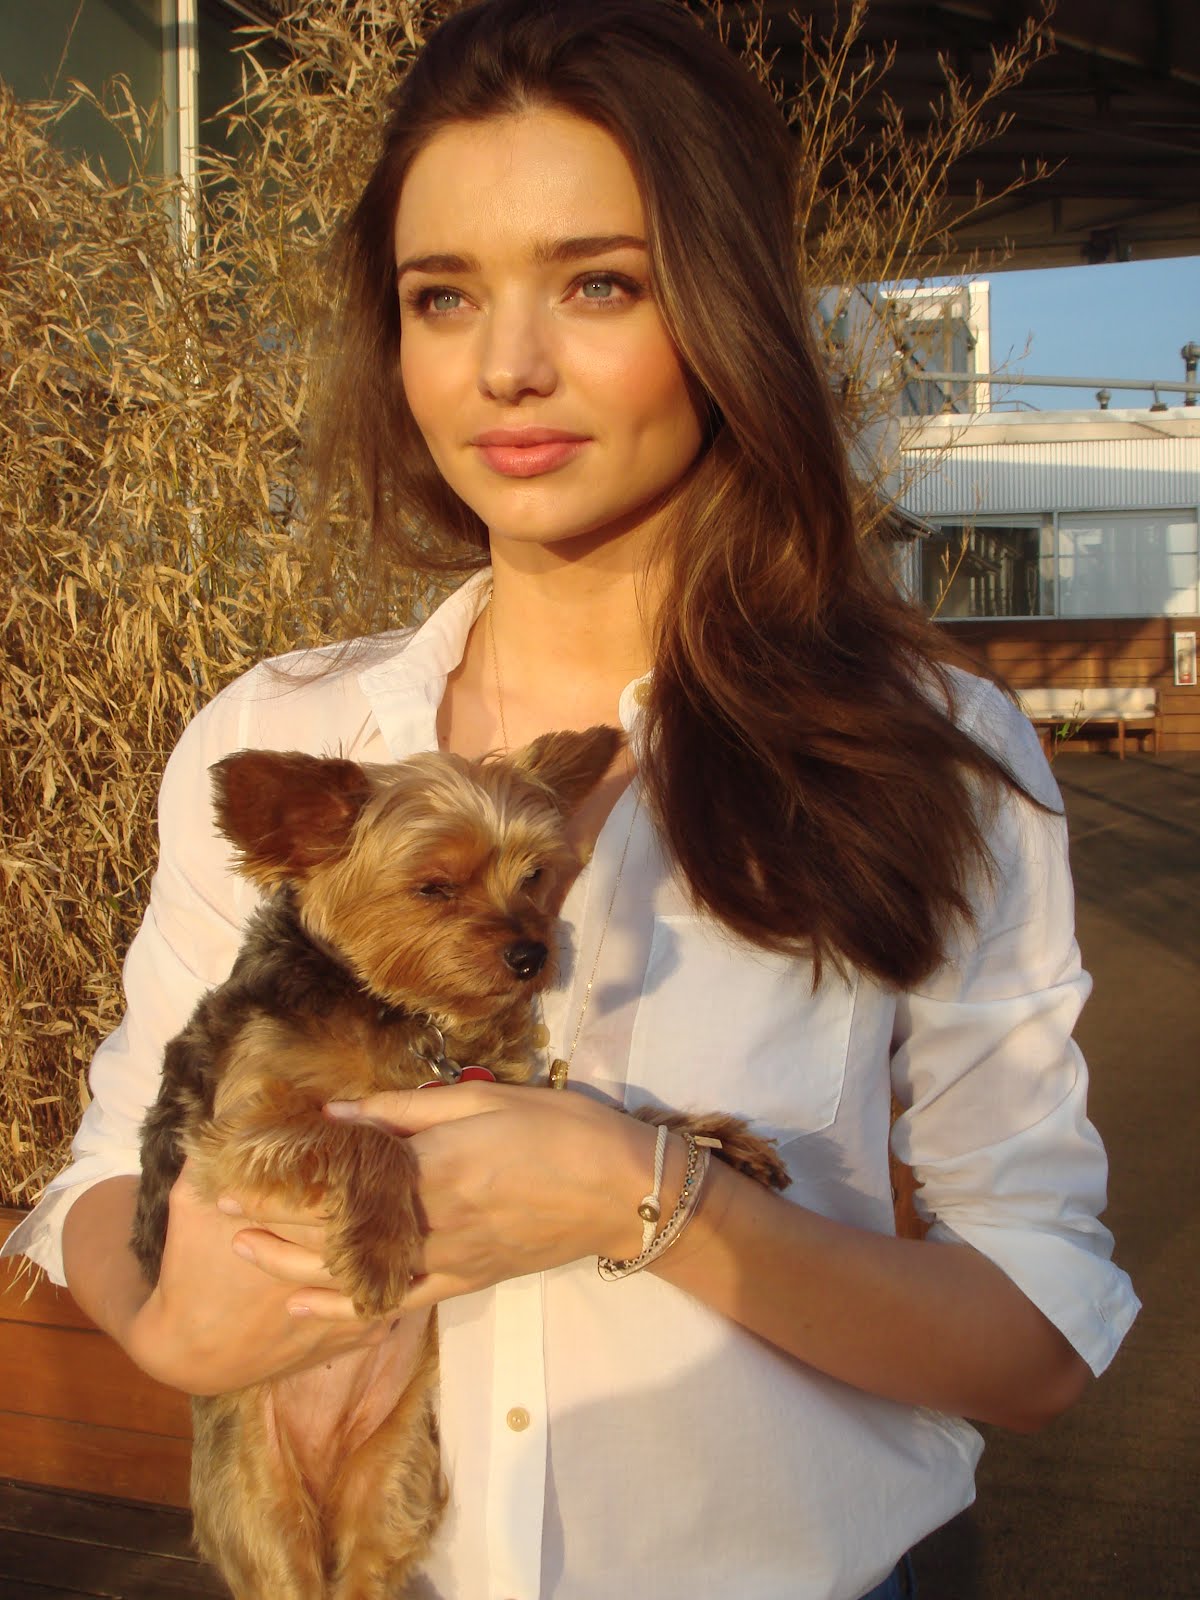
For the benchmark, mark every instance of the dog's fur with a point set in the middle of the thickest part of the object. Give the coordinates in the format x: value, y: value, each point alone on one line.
x: 422, y: 893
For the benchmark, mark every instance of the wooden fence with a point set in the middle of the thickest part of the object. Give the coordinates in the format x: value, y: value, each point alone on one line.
x: 75, y: 1413
x: 1118, y: 651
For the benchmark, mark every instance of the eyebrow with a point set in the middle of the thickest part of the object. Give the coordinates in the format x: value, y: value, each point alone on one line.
x: 545, y: 253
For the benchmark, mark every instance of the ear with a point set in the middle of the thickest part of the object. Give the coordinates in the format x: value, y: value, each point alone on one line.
x: 287, y: 812
x: 570, y: 765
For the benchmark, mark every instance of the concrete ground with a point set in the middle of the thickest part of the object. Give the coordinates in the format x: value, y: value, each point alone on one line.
x: 1105, y: 1504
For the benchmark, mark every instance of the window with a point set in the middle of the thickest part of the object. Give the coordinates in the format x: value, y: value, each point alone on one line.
x: 1113, y: 564
x: 980, y: 569
x: 1128, y: 565
x: 222, y: 65
x: 154, y: 46
x: 45, y: 45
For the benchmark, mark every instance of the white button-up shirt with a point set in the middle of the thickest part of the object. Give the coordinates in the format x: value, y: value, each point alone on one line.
x: 620, y: 1438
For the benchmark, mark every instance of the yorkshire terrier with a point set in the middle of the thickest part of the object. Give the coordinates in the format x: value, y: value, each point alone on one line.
x: 407, y: 929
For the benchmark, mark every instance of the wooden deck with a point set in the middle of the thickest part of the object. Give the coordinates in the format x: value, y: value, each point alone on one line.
x: 56, y: 1546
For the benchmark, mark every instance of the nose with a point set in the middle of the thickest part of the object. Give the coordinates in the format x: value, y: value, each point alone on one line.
x: 516, y: 357
x: 526, y: 957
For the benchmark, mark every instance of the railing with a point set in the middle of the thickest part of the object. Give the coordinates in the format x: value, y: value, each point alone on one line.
x: 1004, y: 380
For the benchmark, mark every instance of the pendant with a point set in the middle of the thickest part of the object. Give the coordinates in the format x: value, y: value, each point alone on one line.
x: 560, y: 1070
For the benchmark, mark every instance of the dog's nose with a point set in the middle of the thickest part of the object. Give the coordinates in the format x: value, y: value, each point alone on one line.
x: 526, y: 958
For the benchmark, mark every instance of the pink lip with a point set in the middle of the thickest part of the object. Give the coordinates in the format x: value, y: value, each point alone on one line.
x: 527, y: 452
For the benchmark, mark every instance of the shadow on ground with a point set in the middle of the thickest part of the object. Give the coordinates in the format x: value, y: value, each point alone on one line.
x: 1103, y: 1505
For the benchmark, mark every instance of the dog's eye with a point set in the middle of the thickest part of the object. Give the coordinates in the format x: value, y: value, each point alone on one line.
x: 436, y: 891
x: 531, y: 878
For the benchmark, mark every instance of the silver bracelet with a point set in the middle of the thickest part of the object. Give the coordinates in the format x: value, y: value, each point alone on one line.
x: 699, y: 1150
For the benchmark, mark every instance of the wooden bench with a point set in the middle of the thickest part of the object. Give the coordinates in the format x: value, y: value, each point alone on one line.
x: 75, y: 1413
x: 1128, y: 709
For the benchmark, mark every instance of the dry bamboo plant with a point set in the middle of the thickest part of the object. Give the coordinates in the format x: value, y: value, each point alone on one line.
x: 156, y: 368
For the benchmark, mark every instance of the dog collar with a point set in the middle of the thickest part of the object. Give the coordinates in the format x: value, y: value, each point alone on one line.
x: 445, y: 1070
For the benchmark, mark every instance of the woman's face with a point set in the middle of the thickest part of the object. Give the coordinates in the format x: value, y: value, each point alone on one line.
x: 534, y: 358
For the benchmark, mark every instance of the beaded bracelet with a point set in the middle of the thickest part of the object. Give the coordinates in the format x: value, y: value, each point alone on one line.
x: 699, y: 1150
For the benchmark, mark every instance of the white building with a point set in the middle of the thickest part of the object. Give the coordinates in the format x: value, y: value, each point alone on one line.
x: 1064, y: 545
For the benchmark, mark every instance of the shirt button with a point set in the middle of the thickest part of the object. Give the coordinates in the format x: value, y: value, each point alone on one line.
x: 518, y: 1419
x: 541, y: 1036
x: 642, y: 692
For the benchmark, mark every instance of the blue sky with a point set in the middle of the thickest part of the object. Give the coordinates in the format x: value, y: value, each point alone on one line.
x: 1128, y: 320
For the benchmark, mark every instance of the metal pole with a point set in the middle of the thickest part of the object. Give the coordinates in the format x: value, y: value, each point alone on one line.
x: 1190, y: 354
x: 187, y: 55
x: 1005, y: 380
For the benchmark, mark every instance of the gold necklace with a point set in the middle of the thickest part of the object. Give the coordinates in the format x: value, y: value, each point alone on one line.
x: 560, y: 1067
x: 491, y: 610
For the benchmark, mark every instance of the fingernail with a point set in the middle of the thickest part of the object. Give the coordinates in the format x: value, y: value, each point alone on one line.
x: 241, y: 1248
x: 346, y: 1110
x: 299, y: 1311
x: 229, y: 1206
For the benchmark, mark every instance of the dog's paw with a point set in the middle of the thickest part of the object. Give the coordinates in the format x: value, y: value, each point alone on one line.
x: 375, y: 1237
x: 377, y: 1280
x: 374, y: 1259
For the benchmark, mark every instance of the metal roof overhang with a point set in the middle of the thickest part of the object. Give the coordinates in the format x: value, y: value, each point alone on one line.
x: 1115, y: 108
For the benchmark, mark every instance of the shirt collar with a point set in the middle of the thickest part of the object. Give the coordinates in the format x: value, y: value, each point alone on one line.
x: 405, y: 689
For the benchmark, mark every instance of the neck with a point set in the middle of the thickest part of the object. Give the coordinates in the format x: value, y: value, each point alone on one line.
x: 568, y: 627
x: 558, y: 613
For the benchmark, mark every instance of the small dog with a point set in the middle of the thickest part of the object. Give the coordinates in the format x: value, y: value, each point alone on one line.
x: 408, y: 929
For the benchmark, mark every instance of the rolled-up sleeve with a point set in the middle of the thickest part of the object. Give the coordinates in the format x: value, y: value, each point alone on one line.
x: 995, y: 1088
x: 186, y: 943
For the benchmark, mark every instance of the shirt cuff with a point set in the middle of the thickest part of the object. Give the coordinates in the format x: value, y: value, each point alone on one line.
x: 39, y: 1235
x: 1088, y: 1299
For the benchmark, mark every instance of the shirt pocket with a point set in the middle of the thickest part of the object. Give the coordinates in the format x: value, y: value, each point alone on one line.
x: 724, y: 1026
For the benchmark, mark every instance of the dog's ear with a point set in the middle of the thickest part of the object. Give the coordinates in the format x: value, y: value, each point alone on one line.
x: 287, y: 812
x: 570, y: 765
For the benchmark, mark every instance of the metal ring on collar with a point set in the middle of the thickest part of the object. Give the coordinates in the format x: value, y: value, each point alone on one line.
x: 448, y: 1071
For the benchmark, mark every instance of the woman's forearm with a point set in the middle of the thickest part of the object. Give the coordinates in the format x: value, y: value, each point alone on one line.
x: 215, y: 1321
x: 102, y: 1272
x: 920, y: 1322
x: 513, y: 1183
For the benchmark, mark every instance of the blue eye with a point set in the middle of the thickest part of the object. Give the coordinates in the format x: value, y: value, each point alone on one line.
x: 608, y: 289
x: 434, y: 302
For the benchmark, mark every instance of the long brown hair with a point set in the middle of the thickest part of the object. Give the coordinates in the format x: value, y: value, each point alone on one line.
x: 802, y: 759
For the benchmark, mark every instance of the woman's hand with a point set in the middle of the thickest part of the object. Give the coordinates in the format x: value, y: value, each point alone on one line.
x: 224, y: 1314
x: 511, y: 1182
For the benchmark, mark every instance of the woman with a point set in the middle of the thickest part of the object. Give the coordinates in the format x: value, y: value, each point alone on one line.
x: 827, y: 868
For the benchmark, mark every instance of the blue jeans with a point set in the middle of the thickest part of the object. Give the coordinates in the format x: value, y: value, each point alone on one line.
x: 902, y: 1585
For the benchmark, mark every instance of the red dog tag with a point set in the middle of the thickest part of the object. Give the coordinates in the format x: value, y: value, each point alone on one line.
x: 478, y: 1074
